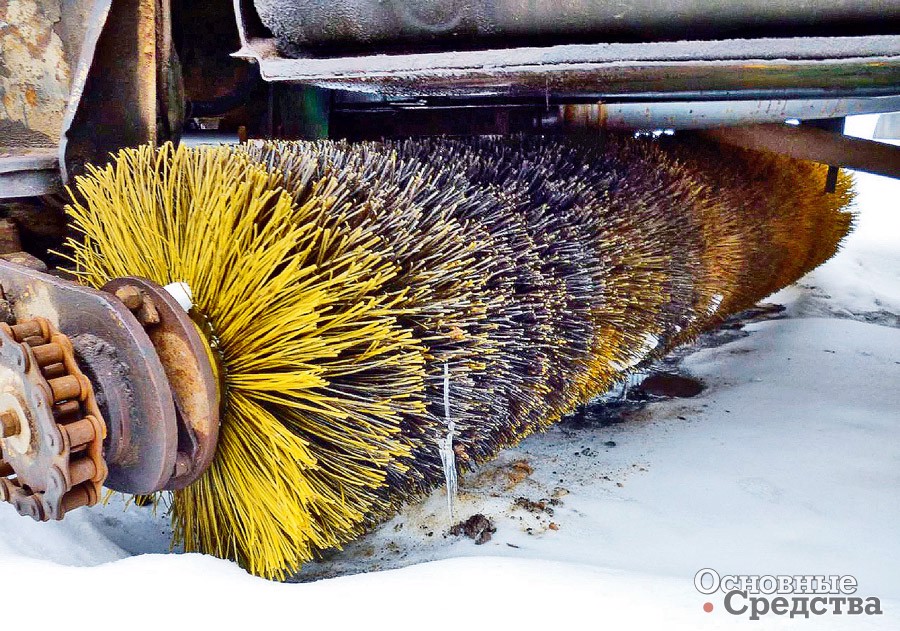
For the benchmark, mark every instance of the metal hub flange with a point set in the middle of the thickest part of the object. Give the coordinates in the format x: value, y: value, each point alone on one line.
x: 116, y: 354
x: 190, y: 369
x: 147, y: 373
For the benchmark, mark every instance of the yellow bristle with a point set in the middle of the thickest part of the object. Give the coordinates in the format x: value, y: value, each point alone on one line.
x: 338, y: 281
x: 291, y: 306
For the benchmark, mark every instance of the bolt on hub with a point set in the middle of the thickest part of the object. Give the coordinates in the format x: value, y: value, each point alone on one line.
x: 126, y: 397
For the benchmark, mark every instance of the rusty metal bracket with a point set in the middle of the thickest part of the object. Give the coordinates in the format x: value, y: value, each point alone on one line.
x: 119, y: 104
x: 120, y: 359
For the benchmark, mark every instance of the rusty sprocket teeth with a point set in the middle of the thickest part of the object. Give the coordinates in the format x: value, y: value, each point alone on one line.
x: 53, y: 429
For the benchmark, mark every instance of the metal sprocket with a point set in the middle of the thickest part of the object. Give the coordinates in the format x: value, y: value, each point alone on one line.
x: 52, y: 430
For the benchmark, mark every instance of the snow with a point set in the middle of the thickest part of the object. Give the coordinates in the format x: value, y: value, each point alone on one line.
x: 864, y: 278
x: 787, y: 463
x: 182, y: 294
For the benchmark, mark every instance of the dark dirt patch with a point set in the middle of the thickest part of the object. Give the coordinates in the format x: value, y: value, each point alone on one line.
x: 671, y: 385
x: 477, y: 527
x: 619, y: 408
x: 533, y: 507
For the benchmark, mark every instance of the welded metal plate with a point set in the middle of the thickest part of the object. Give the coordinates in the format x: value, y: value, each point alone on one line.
x: 148, y: 460
x: 795, y: 67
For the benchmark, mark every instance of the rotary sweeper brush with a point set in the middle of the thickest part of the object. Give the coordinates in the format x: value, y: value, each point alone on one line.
x: 294, y: 338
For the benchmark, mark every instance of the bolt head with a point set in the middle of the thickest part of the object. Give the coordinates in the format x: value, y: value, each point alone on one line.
x: 130, y: 296
x: 9, y: 424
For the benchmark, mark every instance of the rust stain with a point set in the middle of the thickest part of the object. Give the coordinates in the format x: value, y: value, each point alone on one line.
x: 36, y: 79
x: 31, y: 96
x: 181, y: 369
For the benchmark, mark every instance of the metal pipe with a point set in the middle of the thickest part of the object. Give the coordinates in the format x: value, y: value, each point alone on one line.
x: 374, y: 24
x: 707, y: 115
